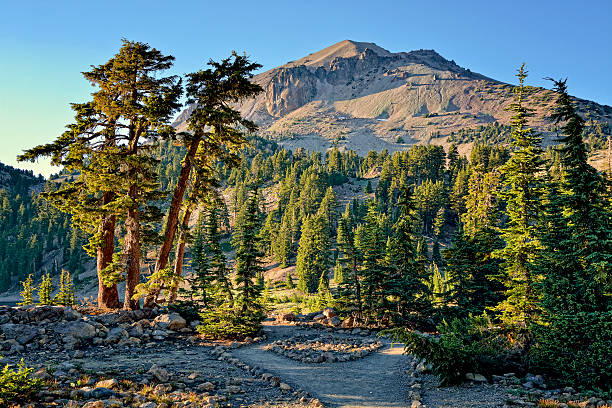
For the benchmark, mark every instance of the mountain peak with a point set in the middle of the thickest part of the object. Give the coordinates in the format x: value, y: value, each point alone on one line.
x: 343, y: 49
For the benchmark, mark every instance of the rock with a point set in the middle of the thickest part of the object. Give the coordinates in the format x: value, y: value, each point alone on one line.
x: 78, y: 354
x: 172, y: 321
x: 102, y: 393
x: 148, y: 405
x: 415, y: 404
x: 159, y: 374
x: 233, y: 389
x: 42, y: 374
x: 206, y: 386
x: 319, y: 317
x: 111, y: 383
x: 335, y: 321
x: 284, y: 387
x: 288, y: 317
x: 78, y: 330
x: 94, y: 404
x: 193, y: 376
x: 329, y: 312
x: 22, y: 333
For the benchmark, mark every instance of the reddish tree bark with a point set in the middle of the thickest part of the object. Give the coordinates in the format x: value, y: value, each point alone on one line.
x: 132, y: 251
x: 173, y: 214
x: 180, y: 252
x: 108, y: 297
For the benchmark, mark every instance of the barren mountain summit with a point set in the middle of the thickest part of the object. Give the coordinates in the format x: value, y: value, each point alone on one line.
x: 359, y: 96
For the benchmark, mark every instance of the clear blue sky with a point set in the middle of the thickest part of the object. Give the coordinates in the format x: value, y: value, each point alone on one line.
x: 46, y: 44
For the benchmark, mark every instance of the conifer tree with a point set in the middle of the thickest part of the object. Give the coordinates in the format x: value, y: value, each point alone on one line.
x: 313, y: 253
x: 109, y: 145
x: 572, y: 341
x: 27, y: 293
x: 370, y: 240
x: 65, y: 296
x: 408, y: 275
x: 289, y: 282
x: 217, y: 132
x: 523, y: 192
x: 350, y: 259
x: 45, y: 290
x: 248, y: 255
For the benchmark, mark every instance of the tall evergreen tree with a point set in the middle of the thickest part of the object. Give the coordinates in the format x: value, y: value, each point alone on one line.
x: 216, y: 132
x: 313, y: 253
x: 350, y: 261
x: 248, y: 254
x: 408, y: 275
x: 572, y: 341
x: 523, y: 190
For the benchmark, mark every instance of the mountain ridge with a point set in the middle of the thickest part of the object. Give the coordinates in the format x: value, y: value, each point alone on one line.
x: 360, y: 96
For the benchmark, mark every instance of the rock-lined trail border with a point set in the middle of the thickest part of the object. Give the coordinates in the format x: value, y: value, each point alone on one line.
x: 377, y: 380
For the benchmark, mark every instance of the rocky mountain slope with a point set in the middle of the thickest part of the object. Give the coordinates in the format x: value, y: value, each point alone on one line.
x: 359, y: 96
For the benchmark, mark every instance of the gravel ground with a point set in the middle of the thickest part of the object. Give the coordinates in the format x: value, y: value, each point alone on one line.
x: 463, y: 396
x: 376, y: 380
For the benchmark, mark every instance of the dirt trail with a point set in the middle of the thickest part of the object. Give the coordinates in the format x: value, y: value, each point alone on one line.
x: 373, y: 381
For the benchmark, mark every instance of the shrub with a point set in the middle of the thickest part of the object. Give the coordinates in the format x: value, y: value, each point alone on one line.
x: 228, y: 323
x: 576, y: 349
x: 466, y: 345
x: 17, y: 385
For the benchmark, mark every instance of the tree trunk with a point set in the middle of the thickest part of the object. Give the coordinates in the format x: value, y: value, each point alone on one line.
x: 132, y: 251
x: 108, y: 297
x: 180, y: 253
x: 173, y: 213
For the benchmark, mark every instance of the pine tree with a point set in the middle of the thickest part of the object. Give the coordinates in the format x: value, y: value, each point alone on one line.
x: 470, y: 272
x: 65, y: 296
x: 313, y: 253
x: 45, y: 290
x: 408, y: 274
x: 572, y: 341
x: 27, y: 294
x: 350, y: 259
x: 248, y: 255
x: 289, y: 282
x: 370, y: 240
x: 216, y: 133
x: 523, y: 192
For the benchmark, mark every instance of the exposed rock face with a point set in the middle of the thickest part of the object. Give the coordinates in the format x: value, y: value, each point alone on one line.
x: 360, y: 96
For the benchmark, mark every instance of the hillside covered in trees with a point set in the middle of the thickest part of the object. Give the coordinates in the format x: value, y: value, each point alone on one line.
x: 503, y: 258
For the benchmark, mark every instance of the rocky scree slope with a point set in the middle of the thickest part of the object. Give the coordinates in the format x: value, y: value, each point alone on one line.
x: 359, y: 96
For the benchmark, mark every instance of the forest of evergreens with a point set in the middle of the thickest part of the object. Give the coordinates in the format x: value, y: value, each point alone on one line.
x: 507, y: 256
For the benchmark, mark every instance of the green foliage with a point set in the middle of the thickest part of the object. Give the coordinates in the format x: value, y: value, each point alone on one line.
x: 313, y: 253
x: 65, y: 296
x: 27, y: 294
x: 469, y: 345
x: 17, y: 386
x: 523, y: 194
x: 289, y: 282
x: 229, y: 323
x: 45, y: 290
x: 572, y: 340
x: 246, y: 240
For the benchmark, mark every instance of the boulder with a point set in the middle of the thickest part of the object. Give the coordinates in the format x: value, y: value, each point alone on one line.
x: 206, y: 386
x: 77, y: 329
x: 288, y: 317
x: 329, y: 312
x: 335, y: 321
x: 111, y: 383
x: 94, y: 404
x: 21, y: 333
x: 159, y: 374
x: 172, y: 321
